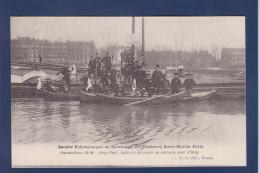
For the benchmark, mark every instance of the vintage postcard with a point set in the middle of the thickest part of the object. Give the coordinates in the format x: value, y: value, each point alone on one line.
x: 162, y: 91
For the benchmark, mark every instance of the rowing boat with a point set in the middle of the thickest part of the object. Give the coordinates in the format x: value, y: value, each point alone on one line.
x: 201, y: 96
x: 130, y: 99
x: 109, y: 99
x: 88, y: 97
x: 58, y: 96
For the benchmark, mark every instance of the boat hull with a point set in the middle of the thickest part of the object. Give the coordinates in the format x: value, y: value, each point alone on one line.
x: 203, y: 96
x: 59, y: 97
x: 105, y: 99
x: 88, y: 97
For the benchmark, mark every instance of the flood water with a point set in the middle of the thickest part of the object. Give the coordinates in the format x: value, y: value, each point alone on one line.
x: 37, y: 121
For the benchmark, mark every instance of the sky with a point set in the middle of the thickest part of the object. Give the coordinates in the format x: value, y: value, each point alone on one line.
x: 161, y: 33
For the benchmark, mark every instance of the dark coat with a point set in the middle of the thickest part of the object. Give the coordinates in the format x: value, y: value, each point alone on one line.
x: 165, y: 83
x: 98, y: 65
x: 104, y: 77
x: 157, y: 78
x: 128, y: 70
x: 84, y: 80
x: 92, y: 66
x: 66, y: 74
x: 176, y: 83
x: 107, y: 61
x: 189, y: 83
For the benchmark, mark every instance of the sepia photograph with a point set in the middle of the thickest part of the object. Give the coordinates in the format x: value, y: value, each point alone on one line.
x: 132, y: 91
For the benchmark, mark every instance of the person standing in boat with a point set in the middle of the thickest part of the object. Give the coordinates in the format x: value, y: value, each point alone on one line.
x: 92, y: 66
x: 84, y: 80
x: 104, y: 77
x: 165, y: 84
x: 141, y: 78
x: 112, y: 77
x: 107, y: 61
x: 98, y: 65
x: 104, y: 80
x: 188, y: 84
x: 176, y: 84
x: 66, y: 74
x: 135, y: 74
x: 127, y: 72
x: 157, y: 78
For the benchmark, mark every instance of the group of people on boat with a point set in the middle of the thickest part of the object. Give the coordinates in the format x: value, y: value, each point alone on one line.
x: 62, y: 89
x: 100, y: 77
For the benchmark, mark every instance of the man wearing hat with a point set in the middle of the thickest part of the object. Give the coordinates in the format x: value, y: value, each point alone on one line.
x: 92, y: 66
x: 66, y: 73
x: 188, y: 84
x: 176, y: 84
x: 157, y: 78
x: 107, y: 61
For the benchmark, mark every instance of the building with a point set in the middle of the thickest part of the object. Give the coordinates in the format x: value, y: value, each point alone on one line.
x: 24, y: 49
x: 233, y: 57
x: 187, y: 59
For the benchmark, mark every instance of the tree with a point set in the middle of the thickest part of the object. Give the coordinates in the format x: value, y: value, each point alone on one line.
x: 215, y: 51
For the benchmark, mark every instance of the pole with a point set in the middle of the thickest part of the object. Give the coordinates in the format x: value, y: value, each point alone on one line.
x: 143, y: 41
x: 133, y: 31
x: 77, y: 78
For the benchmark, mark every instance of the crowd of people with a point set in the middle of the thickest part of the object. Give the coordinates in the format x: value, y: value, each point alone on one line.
x: 100, y: 77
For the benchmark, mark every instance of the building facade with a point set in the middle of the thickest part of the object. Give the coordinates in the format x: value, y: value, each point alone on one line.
x: 24, y: 49
x: 233, y: 57
x: 187, y: 59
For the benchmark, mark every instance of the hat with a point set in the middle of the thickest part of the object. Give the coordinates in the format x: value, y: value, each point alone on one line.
x: 157, y: 65
x: 176, y: 73
x: 188, y: 74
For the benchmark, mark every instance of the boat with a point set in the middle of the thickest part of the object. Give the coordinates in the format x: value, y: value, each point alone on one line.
x: 47, y: 95
x: 230, y: 96
x: 130, y: 99
x: 110, y: 99
x: 88, y: 97
x: 201, y: 96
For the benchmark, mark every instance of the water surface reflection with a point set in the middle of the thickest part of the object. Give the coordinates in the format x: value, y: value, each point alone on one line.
x: 38, y: 121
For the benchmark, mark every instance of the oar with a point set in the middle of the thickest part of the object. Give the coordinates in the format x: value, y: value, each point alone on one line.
x: 142, y: 101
